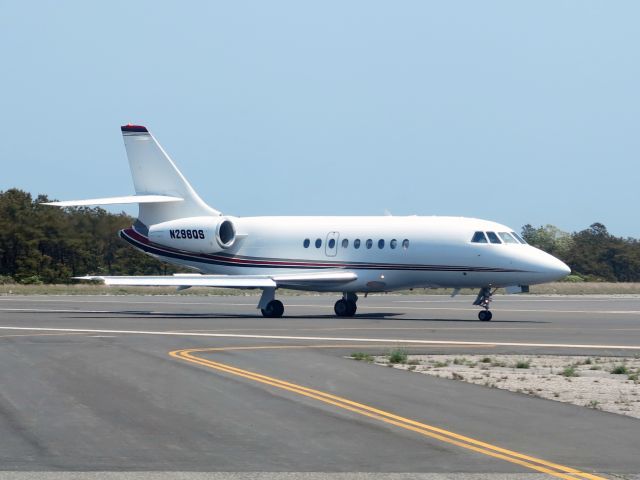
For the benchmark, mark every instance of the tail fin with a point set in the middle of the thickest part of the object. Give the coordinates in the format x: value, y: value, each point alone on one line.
x: 154, y: 173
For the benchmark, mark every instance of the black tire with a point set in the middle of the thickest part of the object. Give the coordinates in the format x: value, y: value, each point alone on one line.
x: 274, y: 309
x: 485, y: 315
x: 351, y: 308
x: 341, y: 308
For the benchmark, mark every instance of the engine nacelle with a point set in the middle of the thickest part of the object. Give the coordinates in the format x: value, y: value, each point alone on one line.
x: 195, y: 234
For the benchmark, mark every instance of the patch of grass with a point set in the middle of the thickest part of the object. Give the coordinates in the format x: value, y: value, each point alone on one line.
x: 498, y: 364
x: 441, y: 364
x: 593, y: 404
x: 633, y: 377
x: 361, y: 356
x: 456, y: 376
x: 458, y: 361
x: 523, y: 364
x: 413, y: 362
x: 570, y: 371
x: 595, y: 367
x: 485, y: 360
x: 620, y: 370
x: 398, y: 355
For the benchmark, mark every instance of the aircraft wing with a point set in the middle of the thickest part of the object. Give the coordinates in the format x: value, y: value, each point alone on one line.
x: 308, y: 279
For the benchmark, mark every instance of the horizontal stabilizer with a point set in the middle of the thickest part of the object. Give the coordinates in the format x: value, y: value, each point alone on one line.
x: 228, y: 281
x: 116, y: 200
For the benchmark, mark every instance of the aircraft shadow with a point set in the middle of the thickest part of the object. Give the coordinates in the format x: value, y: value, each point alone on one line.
x: 394, y: 316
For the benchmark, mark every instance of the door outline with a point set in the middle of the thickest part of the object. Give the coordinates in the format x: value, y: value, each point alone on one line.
x: 331, y: 252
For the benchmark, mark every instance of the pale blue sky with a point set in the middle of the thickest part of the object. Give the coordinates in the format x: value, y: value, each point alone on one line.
x: 518, y: 112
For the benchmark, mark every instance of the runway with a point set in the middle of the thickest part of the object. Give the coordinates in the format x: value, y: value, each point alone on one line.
x: 205, y: 384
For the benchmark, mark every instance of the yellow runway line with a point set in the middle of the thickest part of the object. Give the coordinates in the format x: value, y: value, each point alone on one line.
x: 556, y: 470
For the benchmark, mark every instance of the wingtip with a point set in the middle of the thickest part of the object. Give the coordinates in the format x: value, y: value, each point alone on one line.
x: 133, y: 128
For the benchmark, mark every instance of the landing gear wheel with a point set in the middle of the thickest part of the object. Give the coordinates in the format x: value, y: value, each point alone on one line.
x: 274, y: 309
x: 351, y: 308
x: 345, y: 308
x: 485, y: 315
x: 340, y: 308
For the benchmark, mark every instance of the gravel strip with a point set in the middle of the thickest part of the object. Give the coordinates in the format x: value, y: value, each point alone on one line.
x: 604, y: 383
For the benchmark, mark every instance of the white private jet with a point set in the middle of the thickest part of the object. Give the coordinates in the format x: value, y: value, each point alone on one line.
x: 349, y: 255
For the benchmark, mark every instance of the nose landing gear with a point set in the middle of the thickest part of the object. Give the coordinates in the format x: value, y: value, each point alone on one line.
x: 483, y: 300
x: 346, y: 306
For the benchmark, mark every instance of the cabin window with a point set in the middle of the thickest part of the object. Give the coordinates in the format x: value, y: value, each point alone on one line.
x: 393, y: 244
x: 507, y: 238
x: 369, y: 243
x: 306, y: 243
x: 381, y: 244
x: 332, y: 243
x: 318, y: 243
x: 405, y: 244
x: 356, y: 243
x: 519, y: 238
x: 479, y: 237
x: 493, y: 238
x: 345, y: 243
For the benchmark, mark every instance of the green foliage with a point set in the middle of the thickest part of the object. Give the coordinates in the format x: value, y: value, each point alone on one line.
x: 398, y: 355
x: 523, y: 364
x: 573, y: 278
x: 43, y: 244
x: 361, y: 356
x: 593, y: 254
x: 32, y: 280
x: 570, y: 371
x: 620, y: 370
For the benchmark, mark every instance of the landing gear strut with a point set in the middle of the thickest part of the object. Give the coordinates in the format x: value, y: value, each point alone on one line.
x: 346, y: 306
x: 483, y: 300
x: 268, y: 305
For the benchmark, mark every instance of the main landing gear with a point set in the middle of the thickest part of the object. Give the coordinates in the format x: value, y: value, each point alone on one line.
x: 274, y: 309
x: 268, y: 305
x: 346, y: 306
x: 483, y: 300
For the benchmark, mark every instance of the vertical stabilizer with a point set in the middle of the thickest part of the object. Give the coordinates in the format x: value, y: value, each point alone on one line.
x: 154, y: 173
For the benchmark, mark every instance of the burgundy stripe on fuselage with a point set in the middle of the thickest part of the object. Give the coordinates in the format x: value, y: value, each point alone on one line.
x: 143, y: 243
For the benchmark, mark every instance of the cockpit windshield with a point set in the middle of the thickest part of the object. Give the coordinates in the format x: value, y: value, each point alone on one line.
x: 498, y: 238
x: 479, y: 237
x: 519, y: 238
x: 507, y: 238
x: 493, y: 238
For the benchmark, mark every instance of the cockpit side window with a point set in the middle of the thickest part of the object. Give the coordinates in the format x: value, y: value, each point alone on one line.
x: 519, y: 238
x: 507, y: 238
x: 479, y: 237
x: 493, y: 238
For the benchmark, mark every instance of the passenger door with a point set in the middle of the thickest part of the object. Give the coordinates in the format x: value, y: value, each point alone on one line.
x: 331, y: 245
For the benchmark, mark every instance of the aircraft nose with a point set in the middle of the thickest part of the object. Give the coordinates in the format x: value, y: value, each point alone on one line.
x: 561, y: 268
x: 553, y: 268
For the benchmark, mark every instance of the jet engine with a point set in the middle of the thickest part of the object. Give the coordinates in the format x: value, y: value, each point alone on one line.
x: 195, y: 234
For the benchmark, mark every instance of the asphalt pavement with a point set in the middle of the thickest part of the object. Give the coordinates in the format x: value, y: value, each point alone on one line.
x: 134, y: 386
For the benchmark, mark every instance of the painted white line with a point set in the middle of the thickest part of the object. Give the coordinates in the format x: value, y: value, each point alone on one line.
x: 336, y: 339
x: 51, y: 310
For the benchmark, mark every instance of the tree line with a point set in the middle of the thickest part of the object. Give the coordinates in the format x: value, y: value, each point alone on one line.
x: 43, y: 244
x: 593, y: 253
